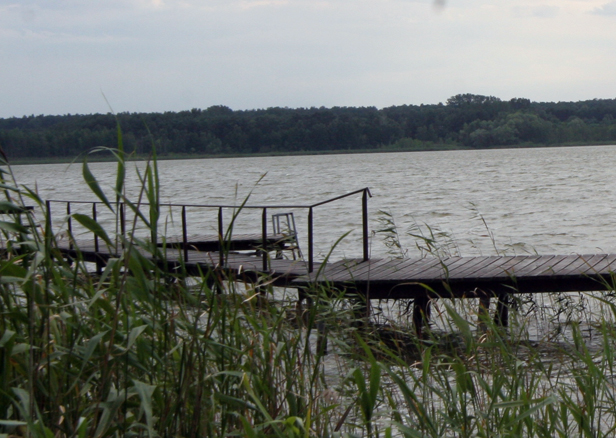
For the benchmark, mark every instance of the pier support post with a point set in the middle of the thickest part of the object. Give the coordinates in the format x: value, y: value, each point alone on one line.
x: 484, y: 310
x: 304, y: 317
x: 502, y: 310
x: 421, y: 315
x: 361, y: 307
x: 261, y: 292
x: 300, y: 313
x: 321, y: 338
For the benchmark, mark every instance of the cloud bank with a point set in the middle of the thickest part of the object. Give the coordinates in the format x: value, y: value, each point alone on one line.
x: 163, y: 55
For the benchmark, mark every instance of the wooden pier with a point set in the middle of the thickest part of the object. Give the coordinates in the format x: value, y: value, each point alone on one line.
x: 420, y: 280
x: 238, y: 242
x: 238, y: 266
x: 465, y: 277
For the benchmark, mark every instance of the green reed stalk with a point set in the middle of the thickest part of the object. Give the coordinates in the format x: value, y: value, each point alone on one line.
x: 141, y: 350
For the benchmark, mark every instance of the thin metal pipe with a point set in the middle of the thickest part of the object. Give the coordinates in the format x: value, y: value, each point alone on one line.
x: 243, y: 206
x: 184, y: 235
x: 364, y: 211
x: 310, y: 242
x: 122, y: 220
x: 70, y: 225
x: 48, y: 232
x: 94, y: 219
x: 342, y: 196
x: 221, y: 238
x: 264, y: 238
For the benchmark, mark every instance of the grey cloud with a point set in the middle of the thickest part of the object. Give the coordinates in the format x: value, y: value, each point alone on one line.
x: 606, y: 9
x: 540, y: 11
x: 545, y: 11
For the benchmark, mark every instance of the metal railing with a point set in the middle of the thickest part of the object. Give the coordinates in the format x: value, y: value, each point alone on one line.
x: 225, y: 236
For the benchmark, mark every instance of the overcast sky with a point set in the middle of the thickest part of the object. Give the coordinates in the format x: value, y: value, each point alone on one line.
x: 63, y: 56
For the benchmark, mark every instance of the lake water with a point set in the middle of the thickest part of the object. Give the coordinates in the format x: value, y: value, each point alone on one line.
x: 514, y: 201
x: 548, y: 200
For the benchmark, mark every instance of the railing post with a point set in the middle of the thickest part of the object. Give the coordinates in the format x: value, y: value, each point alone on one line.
x: 99, y: 266
x: 221, y: 237
x: 264, y: 238
x: 48, y: 231
x: 184, y: 234
x: 365, y: 224
x: 95, y: 236
x: 122, y: 220
x: 310, y: 243
x: 70, y: 225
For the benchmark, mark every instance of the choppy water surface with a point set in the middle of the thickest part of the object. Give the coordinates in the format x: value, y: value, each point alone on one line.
x: 552, y: 200
x: 556, y: 200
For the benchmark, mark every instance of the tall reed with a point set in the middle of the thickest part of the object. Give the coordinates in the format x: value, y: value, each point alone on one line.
x: 140, y: 350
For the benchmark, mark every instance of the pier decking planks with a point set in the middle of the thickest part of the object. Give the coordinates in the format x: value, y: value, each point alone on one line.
x: 240, y: 265
x: 238, y: 242
x: 409, y: 278
x: 470, y: 276
x: 419, y: 279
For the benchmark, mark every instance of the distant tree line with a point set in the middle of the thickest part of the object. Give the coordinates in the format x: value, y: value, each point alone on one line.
x: 466, y: 120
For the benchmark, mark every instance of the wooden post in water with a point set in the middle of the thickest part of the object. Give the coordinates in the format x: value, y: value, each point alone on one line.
x: 421, y: 315
x: 502, y: 310
x: 484, y: 309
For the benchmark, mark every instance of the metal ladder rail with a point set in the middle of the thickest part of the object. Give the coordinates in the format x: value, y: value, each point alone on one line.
x: 284, y: 224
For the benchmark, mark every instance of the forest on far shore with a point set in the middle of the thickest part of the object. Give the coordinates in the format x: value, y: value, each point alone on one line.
x: 464, y: 121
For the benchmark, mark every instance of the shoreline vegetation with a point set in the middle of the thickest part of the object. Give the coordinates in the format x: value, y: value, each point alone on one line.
x: 103, y: 157
x: 143, y: 351
x: 465, y: 121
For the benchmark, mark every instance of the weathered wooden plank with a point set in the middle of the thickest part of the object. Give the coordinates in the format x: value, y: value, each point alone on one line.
x: 343, y: 270
x: 506, y: 266
x: 558, y: 265
x: 537, y: 264
x: 449, y: 265
x: 580, y: 266
x: 363, y: 271
x: 414, y: 271
x: 440, y: 270
x: 368, y: 270
x: 476, y: 269
x: 606, y: 265
x: 590, y: 261
x: 386, y: 270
